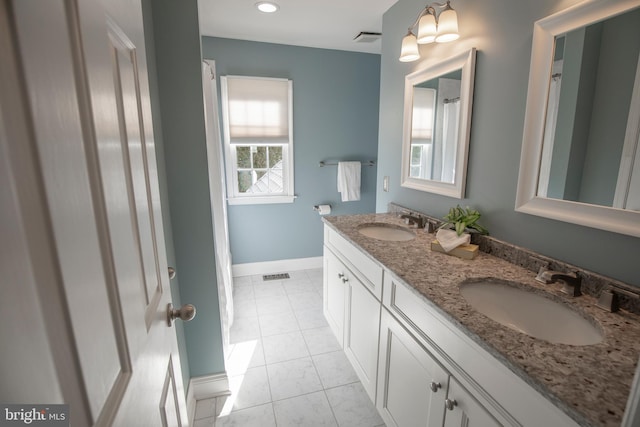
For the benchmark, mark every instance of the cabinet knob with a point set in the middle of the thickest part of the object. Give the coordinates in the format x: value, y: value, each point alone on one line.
x: 450, y: 404
x: 340, y: 275
x: 435, y: 386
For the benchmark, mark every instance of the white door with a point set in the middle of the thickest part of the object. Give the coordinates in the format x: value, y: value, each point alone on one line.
x: 334, y: 293
x: 218, y: 200
x: 82, y: 242
x: 361, y: 333
x: 412, y: 386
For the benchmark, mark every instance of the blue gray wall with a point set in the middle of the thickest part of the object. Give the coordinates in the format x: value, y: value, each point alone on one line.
x: 162, y: 179
x: 502, y: 33
x: 179, y: 82
x: 335, y: 117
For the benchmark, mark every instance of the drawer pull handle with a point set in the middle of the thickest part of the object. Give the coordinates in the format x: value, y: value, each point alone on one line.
x: 450, y: 404
x: 435, y: 386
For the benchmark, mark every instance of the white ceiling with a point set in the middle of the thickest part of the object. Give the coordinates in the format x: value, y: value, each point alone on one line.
x: 329, y: 24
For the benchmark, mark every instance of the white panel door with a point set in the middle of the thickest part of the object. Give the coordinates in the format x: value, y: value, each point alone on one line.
x: 82, y: 199
x: 335, y: 279
x: 362, y: 329
x: 412, y: 386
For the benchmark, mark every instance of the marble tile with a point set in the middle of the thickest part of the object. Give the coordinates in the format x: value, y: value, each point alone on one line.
x: 352, y: 407
x: 244, y: 355
x: 256, y: 278
x: 297, y: 275
x: 272, y: 305
x: 244, y: 292
x: 244, y: 329
x: 334, y: 369
x: 307, y: 410
x: 205, y: 408
x: 296, y: 286
x: 279, y: 348
x: 244, y: 308
x: 305, y: 301
x: 293, y: 378
x: 249, y: 389
x: 258, y: 416
x: 278, y: 323
x: 269, y: 289
x: 204, y: 422
x: 241, y: 281
x: 320, y: 340
x: 315, y: 273
x: 310, y: 319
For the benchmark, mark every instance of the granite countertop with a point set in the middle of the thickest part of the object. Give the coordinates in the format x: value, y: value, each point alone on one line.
x: 589, y: 383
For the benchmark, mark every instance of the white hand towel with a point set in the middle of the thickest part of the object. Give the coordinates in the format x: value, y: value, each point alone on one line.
x: 449, y: 239
x: 349, y: 180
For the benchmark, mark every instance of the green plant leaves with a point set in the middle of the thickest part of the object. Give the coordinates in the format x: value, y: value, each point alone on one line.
x: 463, y: 219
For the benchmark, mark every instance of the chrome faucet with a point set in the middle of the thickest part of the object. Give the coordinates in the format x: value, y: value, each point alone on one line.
x: 415, y: 221
x: 571, y: 281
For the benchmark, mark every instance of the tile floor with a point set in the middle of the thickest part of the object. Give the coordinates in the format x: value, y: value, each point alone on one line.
x: 285, y: 366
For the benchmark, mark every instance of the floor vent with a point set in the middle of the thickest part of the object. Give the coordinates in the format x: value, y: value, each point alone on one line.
x: 275, y: 276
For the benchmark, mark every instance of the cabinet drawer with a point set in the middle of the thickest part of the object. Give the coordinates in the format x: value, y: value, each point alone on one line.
x: 368, y: 270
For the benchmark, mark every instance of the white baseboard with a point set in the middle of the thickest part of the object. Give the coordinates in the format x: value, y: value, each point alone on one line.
x: 280, y: 266
x: 206, y: 387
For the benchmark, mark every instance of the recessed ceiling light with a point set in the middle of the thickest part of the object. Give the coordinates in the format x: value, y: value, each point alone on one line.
x: 267, y: 7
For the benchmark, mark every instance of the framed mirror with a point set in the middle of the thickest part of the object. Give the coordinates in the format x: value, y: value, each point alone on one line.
x: 580, y: 160
x: 436, y: 126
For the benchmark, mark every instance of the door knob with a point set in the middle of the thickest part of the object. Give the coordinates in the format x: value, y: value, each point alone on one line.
x: 172, y: 272
x: 186, y: 313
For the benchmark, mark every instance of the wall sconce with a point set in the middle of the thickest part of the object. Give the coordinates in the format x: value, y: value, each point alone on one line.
x: 442, y: 30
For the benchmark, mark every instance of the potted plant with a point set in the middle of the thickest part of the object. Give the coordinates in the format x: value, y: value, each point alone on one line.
x: 463, y: 219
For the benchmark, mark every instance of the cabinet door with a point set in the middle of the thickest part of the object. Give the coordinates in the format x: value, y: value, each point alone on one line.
x: 361, y: 333
x: 464, y: 410
x: 412, y: 386
x: 335, y: 285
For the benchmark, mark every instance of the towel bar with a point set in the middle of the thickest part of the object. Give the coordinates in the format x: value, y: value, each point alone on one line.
x: 323, y: 164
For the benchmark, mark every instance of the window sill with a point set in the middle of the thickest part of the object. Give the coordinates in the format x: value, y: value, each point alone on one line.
x: 260, y: 200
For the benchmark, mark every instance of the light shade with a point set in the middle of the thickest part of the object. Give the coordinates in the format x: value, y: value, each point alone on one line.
x: 427, y: 29
x: 409, y: 51
x: 267, y: 7
x: 447, y: 25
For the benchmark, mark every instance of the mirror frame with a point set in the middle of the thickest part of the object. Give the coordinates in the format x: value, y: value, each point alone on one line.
x: 465, y: 61
x: 544, y: 33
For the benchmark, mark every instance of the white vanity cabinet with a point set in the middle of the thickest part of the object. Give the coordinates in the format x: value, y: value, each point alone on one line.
x: 418, y: 367
x: 412, y: 386
x: 415, y: 390
x: 352, y: 290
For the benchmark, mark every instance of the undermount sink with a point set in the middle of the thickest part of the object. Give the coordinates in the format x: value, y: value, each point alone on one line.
x: 530, y: 313
x: 387, y: 232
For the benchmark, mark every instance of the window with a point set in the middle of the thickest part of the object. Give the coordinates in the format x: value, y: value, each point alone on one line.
x: 257, y: 117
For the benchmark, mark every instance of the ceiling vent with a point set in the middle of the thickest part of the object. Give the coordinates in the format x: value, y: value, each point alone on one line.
x: 367, y: 37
